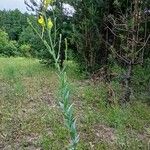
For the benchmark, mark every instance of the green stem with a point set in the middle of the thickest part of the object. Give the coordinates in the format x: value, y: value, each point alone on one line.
x: 64, y: 90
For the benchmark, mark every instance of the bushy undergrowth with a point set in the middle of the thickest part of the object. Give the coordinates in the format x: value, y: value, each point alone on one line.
x: 9, y: 48
x: 141, y: 80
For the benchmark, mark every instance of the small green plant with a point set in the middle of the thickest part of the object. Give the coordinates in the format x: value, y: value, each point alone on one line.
x: 65, y: 104
x: 19, y: 89
x: 117, y: 117
x: 45, y: 142
x: 9, y: 73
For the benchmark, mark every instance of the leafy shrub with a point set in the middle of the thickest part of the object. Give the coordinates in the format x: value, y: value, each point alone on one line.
x: 7, y: 48
x: 141, y: 79
x: 3, y: 40
x: 10, y: 49
x: 25, y: 50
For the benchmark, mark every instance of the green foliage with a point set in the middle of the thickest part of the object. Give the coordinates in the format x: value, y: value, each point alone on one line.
x: 3, y: 41
x: 10, y: 49
x: 7, y: 48
x: 74, y: 70
x: 45, y: 142
x: 141, y: 78
x: 16, y: 28
x: 3, y: 38
x: 86, y: 35
x: 117, y: 117
x: 13, y: 22
x: 28, y: 37
x: 9, y: 72
x: 25, y: 50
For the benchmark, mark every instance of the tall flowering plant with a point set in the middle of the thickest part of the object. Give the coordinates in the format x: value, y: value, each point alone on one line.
x: 47, y: 25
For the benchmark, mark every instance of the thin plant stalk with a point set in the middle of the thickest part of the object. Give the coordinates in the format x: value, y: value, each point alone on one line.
x: 64, y: 99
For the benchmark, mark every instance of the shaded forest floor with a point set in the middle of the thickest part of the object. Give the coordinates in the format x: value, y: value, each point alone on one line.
x: 30, y: 118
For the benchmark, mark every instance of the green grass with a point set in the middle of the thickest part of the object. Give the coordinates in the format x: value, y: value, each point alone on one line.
x: 30, y: 117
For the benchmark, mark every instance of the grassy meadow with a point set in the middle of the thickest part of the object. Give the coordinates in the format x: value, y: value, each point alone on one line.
x: 30, y: 117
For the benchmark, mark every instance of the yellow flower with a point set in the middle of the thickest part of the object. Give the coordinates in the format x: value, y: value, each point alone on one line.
x: 49, y: 23
x: 48, y: 2
x: 41, y: 21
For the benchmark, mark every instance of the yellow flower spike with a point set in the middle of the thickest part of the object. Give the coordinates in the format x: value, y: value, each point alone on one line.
x: 48, y: 2
x: 49, y: 23
x: 41, y: 21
